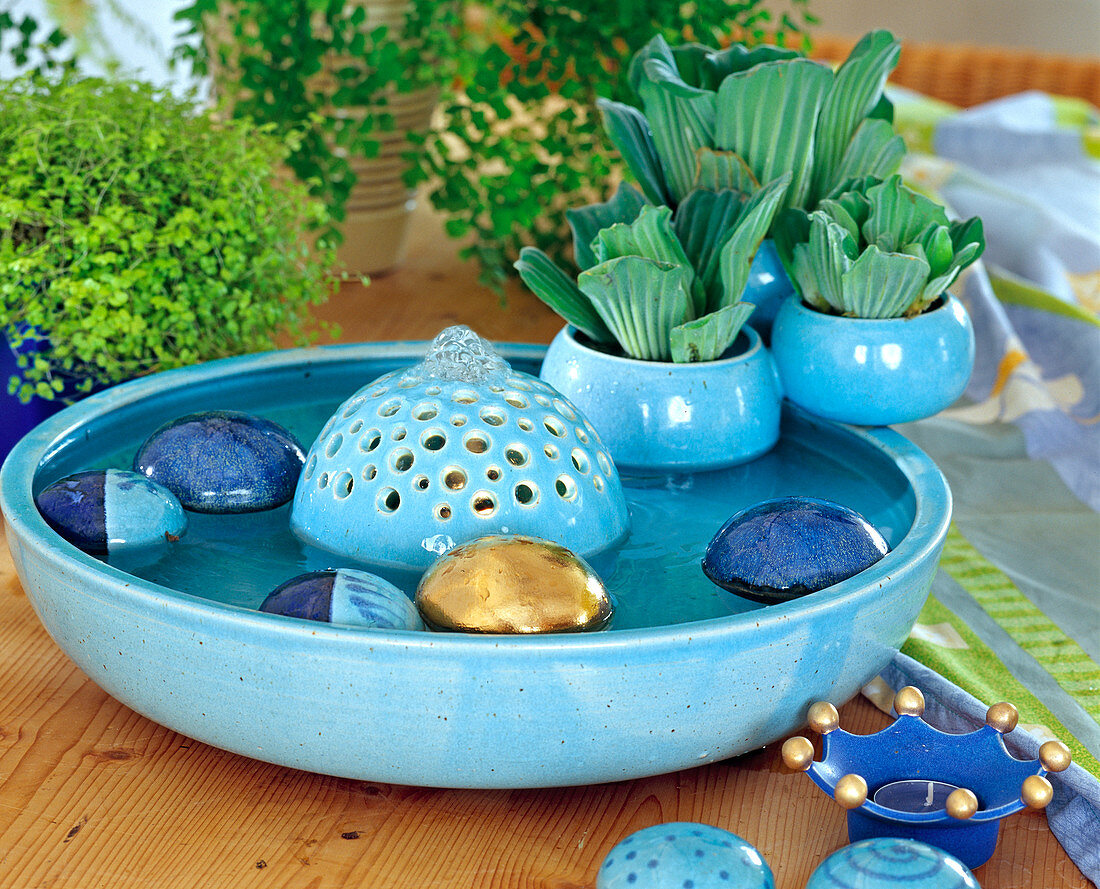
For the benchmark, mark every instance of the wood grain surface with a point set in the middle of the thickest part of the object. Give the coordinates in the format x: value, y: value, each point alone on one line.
x: 94, y: 796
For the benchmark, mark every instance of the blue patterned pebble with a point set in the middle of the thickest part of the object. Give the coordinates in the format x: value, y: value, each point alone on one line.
x: 889, y: 863
x: 345, y: 596
x: 781, y: 549
x: 223, y: 461
x: 104, y: 511
x: 684, y: 855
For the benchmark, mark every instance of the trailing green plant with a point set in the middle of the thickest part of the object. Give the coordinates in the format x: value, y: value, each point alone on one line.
x: 738, y: 117
x: 663, y: 285
x: 521, y: 139
x: 875, y: 249
x: 34, y: 48
x: 139, y: 235
x: 323, y: 70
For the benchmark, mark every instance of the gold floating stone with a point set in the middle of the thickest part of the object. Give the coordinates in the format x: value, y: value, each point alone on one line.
x: 1055, y: 756
x: 798, y: 753
x: 512, y: 584
x: 1036, y: 792
x: 1003, y: 717
x: 909, y: 701
x: 961, y: 803
x: 823, y: 717
x: 850, y: 791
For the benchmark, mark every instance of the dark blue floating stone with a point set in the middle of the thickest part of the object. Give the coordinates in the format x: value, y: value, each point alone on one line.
x: 223, y: 461
x: 105, y: 511
x: 346, y: 596
x: 781, y: 549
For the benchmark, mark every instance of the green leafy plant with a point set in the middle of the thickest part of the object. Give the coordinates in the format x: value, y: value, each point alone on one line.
x: 663, y: 285
x: 139, y: 235
x: 741, y: 116
x: 875, y: 249
x: 521, y: 140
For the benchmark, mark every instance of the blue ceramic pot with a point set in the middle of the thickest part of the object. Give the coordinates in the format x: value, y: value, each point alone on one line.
x: 660, y: 416
x: 873, y: 372
x: 767, y: 288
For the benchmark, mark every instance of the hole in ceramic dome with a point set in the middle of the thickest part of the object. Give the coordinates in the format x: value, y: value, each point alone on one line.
x: 343, y: 485
x: 484, y: 503
x: 354, y: 405
x: 334, y: 445
x: 564, y: 409
x: 458, y: 420
x: 370, y: 441
x: 322, y: 480
x: 390, y: 408
x: 379, y: 392
x: 408, y: 382
x: 476, y: 443
x: 455, y: 479
x: 464, y: 396
x: 554, y: 426
x: 443, y: 511
x: 543, y: 400
x: 605, y: 463
x: 421, y: 482
x: 526, y: 494
x: 580, y: 461
x: 433, y: 440
x: 492, y: 473
x: 496, y: 388
x: 388, y: 500
x: 550, y: 451
x: 310, y: 467
x: 525, y: 424
x: 432, y: 391
x: 516, y: 400
x: 517, y: 383
x: 426, y: 411
x: 402, y: 460
x: 369, y: 472
x: 582, y: 436
x: 355, y: 427
x: 597, y: 483
x: 492, y: 416
x: 566, y: 488
x: 517, y: 455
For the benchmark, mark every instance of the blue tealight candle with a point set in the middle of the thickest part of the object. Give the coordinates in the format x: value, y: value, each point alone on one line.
x: 917, y: 795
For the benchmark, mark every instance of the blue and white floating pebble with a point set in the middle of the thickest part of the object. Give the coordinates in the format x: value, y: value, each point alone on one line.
x: 104, y: 511
x: 890, y: 863
x: 223, y: 461
x: 684, y: 855
x: 345, y: 596
x: 778, y: 550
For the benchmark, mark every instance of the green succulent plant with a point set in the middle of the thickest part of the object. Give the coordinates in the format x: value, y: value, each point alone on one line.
x: 875, y: 249
x: 664, y: 285
x: 738, y: 117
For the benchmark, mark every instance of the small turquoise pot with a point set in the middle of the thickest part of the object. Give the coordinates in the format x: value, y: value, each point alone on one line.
x: 767, y: 288
x: 873, y: 372
x: 665, y: 417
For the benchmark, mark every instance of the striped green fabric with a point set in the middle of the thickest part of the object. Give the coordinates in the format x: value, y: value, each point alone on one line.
x: 1033, y: 631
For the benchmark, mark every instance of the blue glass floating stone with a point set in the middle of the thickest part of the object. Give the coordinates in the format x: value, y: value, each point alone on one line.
x: 684, y: 855
x: 223, y: 461
x: 889, y: 863
x: 781, y: 549
x: 104, y: 511
x: 345, y: 596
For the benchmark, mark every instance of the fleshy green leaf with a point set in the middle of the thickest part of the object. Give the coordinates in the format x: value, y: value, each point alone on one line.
x: 882, y: 285
x: 875, y: 150
x: 898, y: 215
x: 720, y: 170
x: 738, y: 57
x: 767, y: 115
x: 640, y: 300
x: 740, y: 246
x: 586, y: 222
x: 819, y: 264
x: 555, y: 288
x: 629, y: 131
x: 702, y: 223
x: 706, y: 338
x: 855, y: 94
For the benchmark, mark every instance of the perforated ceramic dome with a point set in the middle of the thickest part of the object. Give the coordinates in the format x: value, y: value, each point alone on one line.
x: 455, y: 448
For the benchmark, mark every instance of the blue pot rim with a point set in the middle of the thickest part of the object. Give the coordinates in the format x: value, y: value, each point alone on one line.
x: 156, y: 602
x: 754, y: 347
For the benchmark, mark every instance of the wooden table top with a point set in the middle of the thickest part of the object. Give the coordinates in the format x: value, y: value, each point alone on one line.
x: 94, y: 796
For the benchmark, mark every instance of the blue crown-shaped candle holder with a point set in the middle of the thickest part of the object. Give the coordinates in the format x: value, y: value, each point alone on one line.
x: 914, y: 782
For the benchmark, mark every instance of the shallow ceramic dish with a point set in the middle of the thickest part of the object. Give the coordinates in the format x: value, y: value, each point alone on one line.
x: 683, y: 677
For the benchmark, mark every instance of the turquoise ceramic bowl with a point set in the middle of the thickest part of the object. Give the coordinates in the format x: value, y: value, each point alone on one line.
x: 870, y: 371
x: 665, y: 417
x: 460, y: 710
x: 767, y: 288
